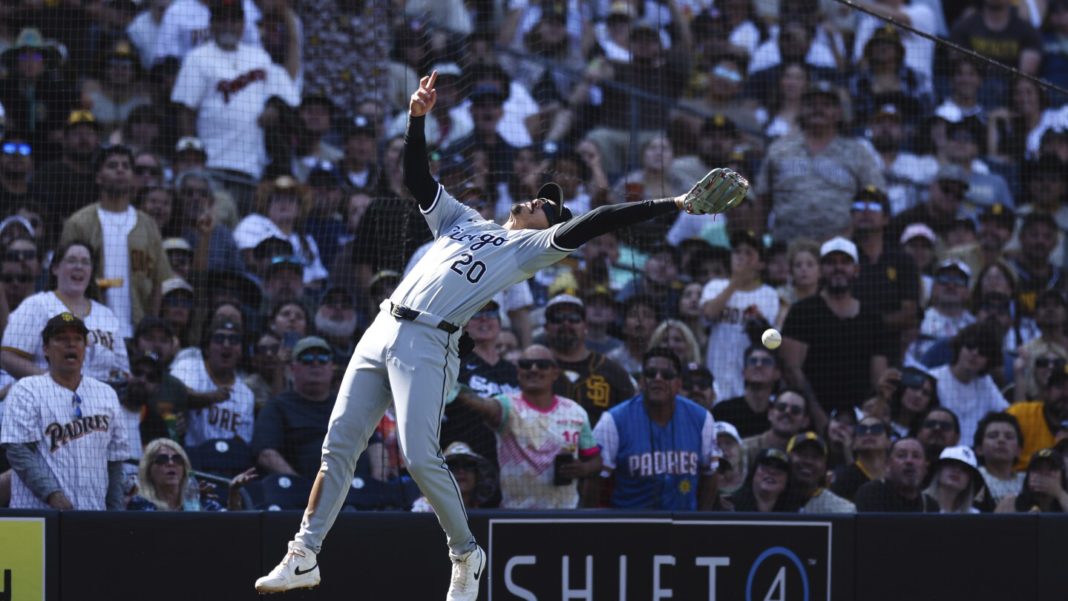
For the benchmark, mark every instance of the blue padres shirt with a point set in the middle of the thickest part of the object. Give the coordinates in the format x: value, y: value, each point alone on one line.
x: 657, y: 467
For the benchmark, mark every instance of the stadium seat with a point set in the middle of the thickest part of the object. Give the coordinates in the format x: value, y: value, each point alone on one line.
x: 226, y: 457
x: 278, y: 492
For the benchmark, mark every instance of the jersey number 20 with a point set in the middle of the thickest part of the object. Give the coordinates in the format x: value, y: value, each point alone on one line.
x: 474, y: 269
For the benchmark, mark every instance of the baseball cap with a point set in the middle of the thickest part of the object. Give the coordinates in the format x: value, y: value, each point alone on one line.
x: 773, y: 457
x: 696, y: 373
x: 62, y: 322
x: 999, y: 213
x: 556, y: 213
x: 447, y: 70
x: 487, y: 94
x: 598, y: 292
x: 822, y: 88
x: 170, y: 285
x: 718, y: 123
x: 310, y: 342
x: 1049, y: 457
x: 952, y: 173
x: 177, y: 244
x: 961, y: 455
x: 189, y: 144
x: 81, y: 117
x: 921, y: 230
x: 806, y: 438
x: 561, y: 300
x: 360, y: 125
x: 272, y: 246
x: 955, y: 264
x: 726, y: 428
x: 748, y: 238
x: 459, y: 450
x: 887, y: 110
x: 839, y: 244
x: 872, y: 194
x: 151, y: 322
x: 285, y: 262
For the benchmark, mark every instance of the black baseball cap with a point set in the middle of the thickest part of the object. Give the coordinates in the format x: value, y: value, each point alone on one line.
x: 748, y: 238
x: 62, y: 322
x: 556, y: 212
x: 1000, y: 214
x: 151, y: 322
x: 774, y: 458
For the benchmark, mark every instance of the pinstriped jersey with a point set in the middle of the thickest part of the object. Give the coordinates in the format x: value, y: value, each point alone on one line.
x: 470, y: 260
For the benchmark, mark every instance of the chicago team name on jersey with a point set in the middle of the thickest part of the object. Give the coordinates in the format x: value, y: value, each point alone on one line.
x: 233, y: 86
x: 466, y: 265
x: 676, y: 463
x: 60, y: 435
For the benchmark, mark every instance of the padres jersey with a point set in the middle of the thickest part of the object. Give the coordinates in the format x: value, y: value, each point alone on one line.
x: 230, y: 418
x: 76, y: 449
x: 471, y: 260
x: 528, y: 441
x: 105, y: 353
x: 657, y: 467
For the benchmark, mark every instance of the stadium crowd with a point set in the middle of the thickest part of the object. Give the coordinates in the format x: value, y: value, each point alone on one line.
x: 203, y: 207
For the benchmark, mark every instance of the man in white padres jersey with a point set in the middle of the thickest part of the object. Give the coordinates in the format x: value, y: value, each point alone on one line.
x: 411, y: 349
x: 63, y: 432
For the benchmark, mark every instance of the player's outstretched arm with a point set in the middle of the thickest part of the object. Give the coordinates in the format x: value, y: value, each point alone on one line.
x: 417, y: 176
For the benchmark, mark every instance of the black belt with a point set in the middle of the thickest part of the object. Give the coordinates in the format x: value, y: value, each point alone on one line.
x: 402, y: 312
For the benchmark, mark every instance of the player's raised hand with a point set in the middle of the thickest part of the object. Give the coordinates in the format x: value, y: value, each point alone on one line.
x: 424, y: 97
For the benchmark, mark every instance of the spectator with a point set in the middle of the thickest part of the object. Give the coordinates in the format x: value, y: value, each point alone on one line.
x: 162, y: 477
x: 919, y: 52
x: 940, y: 428
x: 1044, y: 486
x: 326, y: 221
x: 697, y: 385
x: 833, y: 345
x: 1032, y: 267
x: 288, y: 319
x: 178, y: 304
x: 965, y: 141
x: 659, y: 448
x: 996, y: 31
x: 487, y: 101
x: 885, y: 74
x: 16, y: 168
x: 676, y: 336
x: 118, y: 91
x: 955, y: 480
x: 359, y: 164
x: 22, y: 353
x: 267, y: 379
x: 34, y: 93
x: 900, y: 490
x: 749, y: 412
x: 733, y: 465
x: 196, y: 221
x: 689, y: 313
x: 69, y: 183
x: 732, y: 305
x: 965, y: 386
x: 487, y: 375
x: 180, y: 256
x: 591, y: 379
x: 1051, y: 312
x: 939, y: 213
x: 143, y: 31
x: 164, y: 396
x: 224, y: 406
x: 808, y: 472
x: 655, y: 176
x: 912, y: 391
x: 765, y: 490
x: 281, y: 206
x: 803, y: 256
x: 1054, y: 66
x: 475, y: 477
x: 54, y: 469
x: 1015, y: 132
x: 18, y: 282
x: 806, y: 201
x: 717, y: 137
x: 785, y: 100
x: 906, y: 173
x: 948, y: 312
x: 997, y: 442
x: 132, y: 265
x: 336, y: 321
x: 787, y: 416
x: 871, y: 439
x: 289, y: 432
x: 535, y: 428
x: 316, y: 113
x: 224, y: 86
x: 639, y: 320
x: 600, y: 316
x: 1042, y: 421
x: 659, y: 281
x: 186, y: 25
x: 158, y: 203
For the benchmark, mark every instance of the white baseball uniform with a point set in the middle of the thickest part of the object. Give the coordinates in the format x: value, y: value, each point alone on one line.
x: 227, y: 419
x: 77, y: 449
x: 105, y: 351
x: 229, y: 89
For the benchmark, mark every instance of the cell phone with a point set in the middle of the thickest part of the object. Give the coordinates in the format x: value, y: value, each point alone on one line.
x: 289, y: 340
x: 561, y: 460
x: 911, y: 378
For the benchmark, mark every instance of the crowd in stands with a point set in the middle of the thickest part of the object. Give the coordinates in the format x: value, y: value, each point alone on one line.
x: 202, y: 207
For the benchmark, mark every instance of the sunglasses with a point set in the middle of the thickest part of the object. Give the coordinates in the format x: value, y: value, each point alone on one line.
x: 164, y: 459
x: 315, y: 359
x: 538, y: 363
x: 19, y: 148
x: 937, y: 424
x: 784, y: 407
x: 566, y: 318
x: 179, y: 301
x: 22, y: 278
x: 862, y: 429
x: 77, y: 402
x: 1045, y: 362
x: 226, y: 339
x: 759, y: 362
x: 699, y: 385
x: 650, y: 373
x: 486, y: 315
x: 861, y: 206
x: 20, y: 255
x: 952, y: 280
x: 146, y: 170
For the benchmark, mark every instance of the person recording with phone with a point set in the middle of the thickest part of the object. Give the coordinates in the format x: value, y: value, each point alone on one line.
x: 535, y: 426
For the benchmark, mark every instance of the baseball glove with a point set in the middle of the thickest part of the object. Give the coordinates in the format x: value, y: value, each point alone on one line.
x: 718, y: 191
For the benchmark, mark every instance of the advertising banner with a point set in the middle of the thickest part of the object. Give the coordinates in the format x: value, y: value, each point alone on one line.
x: 22, y: 559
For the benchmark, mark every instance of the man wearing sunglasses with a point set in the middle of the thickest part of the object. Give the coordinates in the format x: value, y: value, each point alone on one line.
x: 1048, y: 350
x: 945, y: 196
x: 787, y: 416
x: 659, y: 448
x: 412, y: 347
x: 16, y: 169
x: 965, y: 386
x: 939, y: 428
x: 762, y: 375
x: 64, y: 433
x: 544, y: 441
x: 948, y: 311
x: 289, y: 432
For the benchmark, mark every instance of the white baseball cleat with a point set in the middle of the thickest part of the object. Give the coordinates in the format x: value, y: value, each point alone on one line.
x: 299, y: 569
x: 467, y: 569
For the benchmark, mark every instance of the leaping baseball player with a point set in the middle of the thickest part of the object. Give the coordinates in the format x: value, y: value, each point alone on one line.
x: 411, y: 348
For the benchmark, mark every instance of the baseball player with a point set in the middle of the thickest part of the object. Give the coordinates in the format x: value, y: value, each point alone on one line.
x: 411, y: 349
x: 63, y: 431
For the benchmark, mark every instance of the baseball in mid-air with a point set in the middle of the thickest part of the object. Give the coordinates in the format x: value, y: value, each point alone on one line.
x: 771, y: 338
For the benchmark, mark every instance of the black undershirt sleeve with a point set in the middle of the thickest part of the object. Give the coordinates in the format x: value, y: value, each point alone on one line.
x: 580, y: 230
x: 417, y: 176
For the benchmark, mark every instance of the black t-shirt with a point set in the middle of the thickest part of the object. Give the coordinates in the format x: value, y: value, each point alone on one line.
x: 61, y: 191
x: 389, y: 233
x: 877, y: 495
x: 1003, y: 46
x: 885, y: 284
x: 295, y: 427
x: 737, y: 413
x: 597, y: 383
x: 847, y: 480
x: 464, y: 425
x: 838, y: 363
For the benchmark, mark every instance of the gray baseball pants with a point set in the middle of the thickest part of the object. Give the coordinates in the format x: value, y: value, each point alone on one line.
x: 419, y: 365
